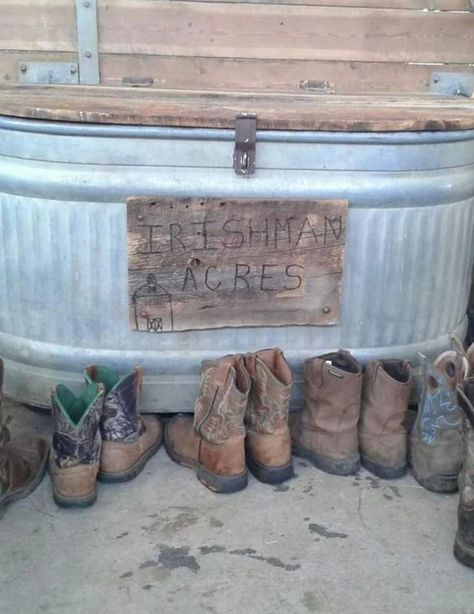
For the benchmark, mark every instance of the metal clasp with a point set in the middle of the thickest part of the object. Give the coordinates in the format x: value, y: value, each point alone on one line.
x: 245, y: 144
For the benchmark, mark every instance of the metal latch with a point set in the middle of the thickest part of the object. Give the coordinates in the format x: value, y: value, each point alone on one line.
x: 245, y: 140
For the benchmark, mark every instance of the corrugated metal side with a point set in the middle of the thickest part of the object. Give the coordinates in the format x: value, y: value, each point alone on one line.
x: 63, y: 269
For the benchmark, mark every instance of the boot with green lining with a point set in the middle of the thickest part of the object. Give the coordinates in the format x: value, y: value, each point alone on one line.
x: 77, y: 443
x: 128, y: 439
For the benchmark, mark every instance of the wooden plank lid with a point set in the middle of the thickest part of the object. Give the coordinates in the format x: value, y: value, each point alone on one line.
x: 184, y: 108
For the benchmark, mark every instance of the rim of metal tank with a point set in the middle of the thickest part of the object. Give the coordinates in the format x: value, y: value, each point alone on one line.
x: 215, y: 134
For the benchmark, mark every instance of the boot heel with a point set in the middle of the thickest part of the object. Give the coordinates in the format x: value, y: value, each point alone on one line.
x: 437, y: 483
x: 328, y: 465
x: 79, y: 502
x: 270, y: 475
x: 222, y: 484
x: 463, y: 553
x: 386, y: 473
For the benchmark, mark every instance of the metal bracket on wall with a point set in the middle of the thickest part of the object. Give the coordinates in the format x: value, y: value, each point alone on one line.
x: 452, y: 84
x: 88, y: 42
x: 36, y: 73
x: 245, y: 144
x: 86, y: 70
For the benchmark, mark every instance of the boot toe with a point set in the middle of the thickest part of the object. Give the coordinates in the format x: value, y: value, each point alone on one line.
x: 181, y: 442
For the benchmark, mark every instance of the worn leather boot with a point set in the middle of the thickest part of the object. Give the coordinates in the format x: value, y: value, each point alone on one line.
x: 464, y: 542
x: 23, y: 461
x: 382, y: 434
x: 325, y: 431
x: 213, y: 443
x: 268, y: 441
x: 128, y: 439
x: 74, y: 462
x: 435, y: 444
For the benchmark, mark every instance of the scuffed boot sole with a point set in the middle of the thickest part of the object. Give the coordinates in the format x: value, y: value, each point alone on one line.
x: 75, y: 502
x: 336, y: 467
x: 133, y: 471
x: 269, y: 474
x: 32, y: 486
x: 463, y: 553
x: 217, y: 483
x: 224, y: 485
x: 437, y: 483
x: 381, y: 471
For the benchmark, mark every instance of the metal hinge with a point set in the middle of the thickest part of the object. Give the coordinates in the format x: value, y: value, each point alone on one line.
x: 245, y: 144
x: 452, y: 84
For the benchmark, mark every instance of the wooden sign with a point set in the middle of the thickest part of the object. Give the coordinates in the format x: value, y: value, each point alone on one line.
x: 212, y: 263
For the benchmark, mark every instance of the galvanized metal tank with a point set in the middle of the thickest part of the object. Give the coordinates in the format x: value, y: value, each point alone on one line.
x: 63, y: 260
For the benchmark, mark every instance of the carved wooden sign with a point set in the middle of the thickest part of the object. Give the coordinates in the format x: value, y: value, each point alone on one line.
x: 212, y: 263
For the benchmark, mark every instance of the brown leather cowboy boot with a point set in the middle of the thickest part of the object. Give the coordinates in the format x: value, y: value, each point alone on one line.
x: 435, y: 443
x: 268, y: 441
x: 382, y: 434
x: 23, y: 461
x: 74, y: 461
x: 464, y: 542
x: 128, y: 439
x: 325, y: 431
x: 213, y: 443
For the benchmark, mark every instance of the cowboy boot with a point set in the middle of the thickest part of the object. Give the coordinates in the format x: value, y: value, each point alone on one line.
x: 74, y: 462
x: 382, y: 435
x: 464, y: 542
x: 435, y: 444
x: 128, y: 439
x: 213, y: 442
x: 325, y: 430
x: 23, y: 461
x: 268, y: 441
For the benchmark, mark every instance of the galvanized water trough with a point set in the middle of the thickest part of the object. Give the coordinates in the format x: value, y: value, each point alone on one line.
x: 68, y: 164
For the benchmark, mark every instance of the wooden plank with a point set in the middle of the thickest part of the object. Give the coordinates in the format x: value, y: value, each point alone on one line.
x: 224, y: 74
x: 414, y: 5
x: 41, y: 25
x: 213, y: 263
x: 269, y: 75
x: 242, y: 30
x: 216, y: 110
x: 203, y: 29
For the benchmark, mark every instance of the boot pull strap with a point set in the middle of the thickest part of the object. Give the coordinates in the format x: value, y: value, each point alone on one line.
x: 138, y: 381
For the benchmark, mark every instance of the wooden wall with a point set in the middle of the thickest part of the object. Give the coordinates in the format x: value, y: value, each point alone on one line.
x: 355, y: 45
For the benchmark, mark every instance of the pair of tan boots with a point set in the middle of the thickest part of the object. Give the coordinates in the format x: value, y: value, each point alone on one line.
x: 240, y: 422
x: 99, y: 435
x: 352, y: 417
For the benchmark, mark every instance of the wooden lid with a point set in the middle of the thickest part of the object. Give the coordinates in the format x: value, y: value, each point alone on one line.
x: 184, y: 108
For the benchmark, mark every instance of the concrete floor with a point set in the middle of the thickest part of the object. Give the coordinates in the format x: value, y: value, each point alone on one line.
x: 164, y: 543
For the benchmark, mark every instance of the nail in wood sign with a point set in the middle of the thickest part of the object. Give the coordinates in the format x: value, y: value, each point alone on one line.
x: 213, y: 263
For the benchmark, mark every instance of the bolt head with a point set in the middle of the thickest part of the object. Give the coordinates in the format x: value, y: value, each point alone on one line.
x: 86, y: 4
x: 88, y: 54
x: 326, y: 309
x: 23, y: 67
x: 73, y: 70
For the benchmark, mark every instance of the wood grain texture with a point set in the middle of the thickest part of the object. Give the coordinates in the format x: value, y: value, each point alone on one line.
x: 270, y: 75
x: 353, y: 113
x: 281, y: 31
x: 413, y: 5
x: 246, y: 30
x: 223, y: 74
x: 213, y: 263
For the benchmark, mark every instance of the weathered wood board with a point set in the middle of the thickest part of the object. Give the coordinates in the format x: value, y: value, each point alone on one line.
x: 214, y: 263
x: 132, y: 106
